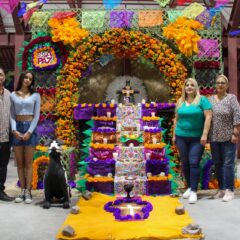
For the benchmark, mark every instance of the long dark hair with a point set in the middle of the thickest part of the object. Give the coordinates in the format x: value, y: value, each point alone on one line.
x: 31, y: 88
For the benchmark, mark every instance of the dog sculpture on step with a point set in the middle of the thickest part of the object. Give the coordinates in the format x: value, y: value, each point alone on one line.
x: 55, y: 179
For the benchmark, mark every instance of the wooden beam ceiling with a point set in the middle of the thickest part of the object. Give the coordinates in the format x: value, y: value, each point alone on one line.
x: 71, y: 3
x: 2, y: 28
x: 234, y: 21
x: 18, y: 24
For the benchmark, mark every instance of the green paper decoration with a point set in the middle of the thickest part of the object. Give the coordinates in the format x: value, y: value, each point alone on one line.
x: 93, y: 19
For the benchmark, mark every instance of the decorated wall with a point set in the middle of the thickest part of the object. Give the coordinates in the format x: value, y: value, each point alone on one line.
x: 79, y: 55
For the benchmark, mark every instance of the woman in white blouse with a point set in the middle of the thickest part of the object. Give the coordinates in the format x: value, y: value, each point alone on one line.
x: 224, y: 135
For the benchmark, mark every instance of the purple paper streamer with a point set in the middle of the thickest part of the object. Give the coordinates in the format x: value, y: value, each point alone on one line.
x: 102, y: 154
x: 104, y: 130
x: 83, y: 113
x: 103, y: 111
x: 101, y: 167
x: 152, y: 123
x: 121, y: 19
x: 154, y: 130
x: 159, y: 105
x: 100, y: 123
x: 156, y: 167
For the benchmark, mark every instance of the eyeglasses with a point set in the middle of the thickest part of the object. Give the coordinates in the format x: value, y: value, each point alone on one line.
x: 220, y: 83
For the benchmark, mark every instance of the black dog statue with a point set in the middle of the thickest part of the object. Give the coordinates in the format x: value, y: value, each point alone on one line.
x: 55, y: 179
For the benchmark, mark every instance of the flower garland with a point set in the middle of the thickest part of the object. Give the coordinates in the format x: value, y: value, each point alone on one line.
x: 183, y: 31
x: 160, y: 178
x: 104, y: 118
x: 102, y: 146
x: 67, y: 30
x: 150, y: 118
x: 113, y: 207
x: 155, y: 146
x: 122, y: 44
x: 36, y: 163
x: 98, y: 179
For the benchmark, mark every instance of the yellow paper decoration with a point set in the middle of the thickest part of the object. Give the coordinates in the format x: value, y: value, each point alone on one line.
x: 193, y: 10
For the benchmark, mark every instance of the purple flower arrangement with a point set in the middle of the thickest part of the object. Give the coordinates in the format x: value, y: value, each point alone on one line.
x: 153, y: 130
x: 114, y: 207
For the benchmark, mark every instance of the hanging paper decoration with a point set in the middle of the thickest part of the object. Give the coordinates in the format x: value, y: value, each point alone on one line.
x: 27, y: 10
x: 193, y: 10
x: 121, y: 19
x: 9, y: 5
x: 110, y: 4
x: 205, y: 18
x: 93, y: 19
x: 221, y: 3
x: 182, y: 2
x: 105, y: 59
x: 150, y: 18
x: 62, y: 15
x: 162, y: 3
x: 39, y: 19
x: 208, y: 48
x: 174, y: 14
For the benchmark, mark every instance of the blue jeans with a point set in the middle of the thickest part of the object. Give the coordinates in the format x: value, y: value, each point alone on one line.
x: 191, y: 151
x: 223, y: 156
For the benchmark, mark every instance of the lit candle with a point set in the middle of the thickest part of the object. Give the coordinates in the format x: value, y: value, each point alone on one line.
x: 108, y: 114
x: 153, y: 114
x: 105, y: 141
x: 138, y: 127
x: 120, y: 105
x: 154, y: 140
x: 143, y: 101
x: 112, y: 101
x: 148, y: 155
x: 115, y: 155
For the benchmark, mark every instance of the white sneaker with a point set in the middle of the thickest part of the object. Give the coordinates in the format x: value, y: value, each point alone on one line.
x: 28, y: 197
x: 20, y: 197
x: 186, y: 193
x: 192, y: 198
x: 228, y: 196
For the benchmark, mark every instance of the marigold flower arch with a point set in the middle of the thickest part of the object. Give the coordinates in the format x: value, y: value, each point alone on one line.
x: 122, y: 44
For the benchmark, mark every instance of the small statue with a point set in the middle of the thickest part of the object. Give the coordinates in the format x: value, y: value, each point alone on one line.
x: 128, y: 188
x: 126, y: 95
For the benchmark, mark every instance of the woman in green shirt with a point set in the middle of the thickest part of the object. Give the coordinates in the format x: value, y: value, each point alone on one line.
x: 191, y: 126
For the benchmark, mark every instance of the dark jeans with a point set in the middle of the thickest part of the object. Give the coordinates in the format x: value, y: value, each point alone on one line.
x: 223, y: 156
x: 4, y: 159
x: 191, y: 151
